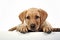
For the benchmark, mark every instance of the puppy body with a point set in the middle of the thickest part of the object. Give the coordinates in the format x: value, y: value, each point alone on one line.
x: 33, y: 19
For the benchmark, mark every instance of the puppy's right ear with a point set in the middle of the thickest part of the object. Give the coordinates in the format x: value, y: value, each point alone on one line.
x: 22, y: 16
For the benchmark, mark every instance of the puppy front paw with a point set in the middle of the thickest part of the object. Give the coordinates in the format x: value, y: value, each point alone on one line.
x: 22, y: 29
x: 47, y: 29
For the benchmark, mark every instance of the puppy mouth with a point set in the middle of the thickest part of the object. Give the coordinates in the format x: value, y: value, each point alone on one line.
x: 33, y: 29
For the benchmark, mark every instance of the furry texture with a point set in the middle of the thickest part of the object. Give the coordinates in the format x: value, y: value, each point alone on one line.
x: 33, y: 16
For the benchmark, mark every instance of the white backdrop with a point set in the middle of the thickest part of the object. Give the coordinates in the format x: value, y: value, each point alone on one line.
x: 10, y: 9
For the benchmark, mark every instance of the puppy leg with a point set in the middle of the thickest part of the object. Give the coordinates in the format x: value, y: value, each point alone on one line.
x: 12, y: 29
x: 47, y: 29
x: 22, y: 29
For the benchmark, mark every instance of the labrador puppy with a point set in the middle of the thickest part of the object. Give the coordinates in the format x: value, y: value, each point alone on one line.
x: 33, y: 19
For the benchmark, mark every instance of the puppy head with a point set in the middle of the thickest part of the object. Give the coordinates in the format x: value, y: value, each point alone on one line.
x: 33, y: 17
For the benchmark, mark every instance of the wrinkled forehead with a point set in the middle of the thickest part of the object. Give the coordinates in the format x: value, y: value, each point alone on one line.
x: 32, y: 12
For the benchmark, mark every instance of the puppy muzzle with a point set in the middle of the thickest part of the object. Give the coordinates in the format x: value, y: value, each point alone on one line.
x: 33, y: 27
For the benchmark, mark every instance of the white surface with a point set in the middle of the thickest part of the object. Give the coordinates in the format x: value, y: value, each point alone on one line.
x: 29, y: 36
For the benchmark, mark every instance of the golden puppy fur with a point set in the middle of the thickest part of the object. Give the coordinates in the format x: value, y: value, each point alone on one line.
x: 33, y: 16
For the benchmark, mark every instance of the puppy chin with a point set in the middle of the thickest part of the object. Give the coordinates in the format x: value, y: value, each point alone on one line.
x: 33, y: 30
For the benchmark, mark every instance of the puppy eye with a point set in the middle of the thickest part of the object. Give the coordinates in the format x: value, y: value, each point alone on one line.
x: 27, y: 17
x: 37, y: 17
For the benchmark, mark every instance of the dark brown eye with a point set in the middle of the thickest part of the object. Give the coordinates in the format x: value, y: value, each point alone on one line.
x: 28, y: 17
x: 37, y: 17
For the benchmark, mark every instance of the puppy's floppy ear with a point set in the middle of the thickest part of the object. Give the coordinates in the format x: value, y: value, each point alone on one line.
x: 43, y: 15
x: 22, y: 16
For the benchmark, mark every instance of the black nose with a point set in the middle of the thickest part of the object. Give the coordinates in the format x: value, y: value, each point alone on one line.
x: 32, y: 25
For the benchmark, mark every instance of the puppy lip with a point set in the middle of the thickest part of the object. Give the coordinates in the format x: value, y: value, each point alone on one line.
x: 33, y: 29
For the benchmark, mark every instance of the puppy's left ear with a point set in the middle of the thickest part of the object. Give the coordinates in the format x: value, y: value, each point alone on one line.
x: 43, y: 15
x: 22, y: 15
